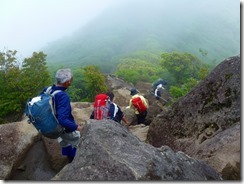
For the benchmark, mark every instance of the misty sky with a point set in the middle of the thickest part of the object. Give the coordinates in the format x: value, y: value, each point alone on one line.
x: 28, y: 25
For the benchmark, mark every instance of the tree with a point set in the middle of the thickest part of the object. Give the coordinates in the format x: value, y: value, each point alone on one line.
x: 187, y: 70
x: 95, y: 81
x: 182, y: 90
x: 20, y: 82
x: 133, y: 70
x: 35, y: 74
x: 181, y: 66
x: 10, y: 76
x: 77, y: 90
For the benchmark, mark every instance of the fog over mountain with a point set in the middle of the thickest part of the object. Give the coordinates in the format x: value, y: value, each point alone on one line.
x: 154, y: 26
x: 27, y: 25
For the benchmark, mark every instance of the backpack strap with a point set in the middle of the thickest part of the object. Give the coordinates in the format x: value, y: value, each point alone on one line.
x: 55, y: 92
x: 48, y: 91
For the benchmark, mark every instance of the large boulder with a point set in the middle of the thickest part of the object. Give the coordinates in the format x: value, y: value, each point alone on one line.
x: 109, y: 152
x: 81, y: 111
x: 209, y: 113
x: 16, y: 139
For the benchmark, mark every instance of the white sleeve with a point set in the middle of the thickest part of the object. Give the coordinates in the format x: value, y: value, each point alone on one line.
x: 156, y: 92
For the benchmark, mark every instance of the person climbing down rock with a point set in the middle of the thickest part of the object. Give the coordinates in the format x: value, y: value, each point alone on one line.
x: 139, y: 104
x: 158, y: 88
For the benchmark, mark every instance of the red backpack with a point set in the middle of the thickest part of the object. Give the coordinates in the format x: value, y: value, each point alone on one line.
x: 101, y: 107
x: 138, y: 104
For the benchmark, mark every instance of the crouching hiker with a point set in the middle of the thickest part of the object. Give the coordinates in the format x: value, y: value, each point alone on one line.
x: 158, y: 88
x: 105, y: 108
x: 140, y: 106
x: 69, y: 139
x: 158, y: 91
x: 115, y: 112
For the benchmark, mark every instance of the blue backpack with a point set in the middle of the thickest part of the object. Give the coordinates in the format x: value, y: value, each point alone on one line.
x: 42, y: 114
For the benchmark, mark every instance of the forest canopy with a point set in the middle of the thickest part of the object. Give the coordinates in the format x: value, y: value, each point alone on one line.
x: 20, y: 81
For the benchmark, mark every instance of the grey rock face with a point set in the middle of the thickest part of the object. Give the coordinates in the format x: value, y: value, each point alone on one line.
x: 15, y: 140
x: 204, y: 116
x: 109, y: 152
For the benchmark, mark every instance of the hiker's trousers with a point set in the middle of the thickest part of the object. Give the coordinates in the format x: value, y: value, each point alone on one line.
x: 71, y: 138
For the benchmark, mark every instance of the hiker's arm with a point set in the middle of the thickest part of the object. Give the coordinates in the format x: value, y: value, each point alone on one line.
x: 155, y: 93
x: 124, y: 120
x: 130, y: 104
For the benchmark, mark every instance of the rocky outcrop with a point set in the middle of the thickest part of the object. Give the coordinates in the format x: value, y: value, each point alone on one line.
x: 205, y: 124
x: 41, y: 158
x: 15, y: 139
x: 109, y: 152
x: 206, y: 120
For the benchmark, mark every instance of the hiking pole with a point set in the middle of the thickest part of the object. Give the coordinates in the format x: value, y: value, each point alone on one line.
x: 160, y: 97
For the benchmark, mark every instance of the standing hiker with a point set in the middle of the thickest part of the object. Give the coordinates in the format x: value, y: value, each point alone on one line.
x: 69, y: 139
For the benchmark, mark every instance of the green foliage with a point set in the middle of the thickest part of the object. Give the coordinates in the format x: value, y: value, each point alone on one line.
x: 181, y: 65
x: 135, y: 69
x: 185, y: 88
x: 186, y: 70
x: 77, y: 90
x: 9, y: 82
x: 203, y: 72
x: 20, y: 83
x: 94, y: 82
x: 176, y: 92
x: 35, y: 73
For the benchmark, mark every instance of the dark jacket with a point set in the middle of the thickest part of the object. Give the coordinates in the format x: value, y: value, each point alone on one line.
x: 115, y: 112
x: 63, y: 109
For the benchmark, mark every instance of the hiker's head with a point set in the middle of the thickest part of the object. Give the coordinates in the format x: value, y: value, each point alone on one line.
x: 133, y: 91
x: 64, y: 77
x: 111, y: 95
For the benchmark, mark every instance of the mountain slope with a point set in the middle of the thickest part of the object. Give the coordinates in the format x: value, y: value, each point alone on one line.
x: 155, y: 26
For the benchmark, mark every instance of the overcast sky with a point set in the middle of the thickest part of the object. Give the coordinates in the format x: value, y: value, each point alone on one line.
x: 28, y: 25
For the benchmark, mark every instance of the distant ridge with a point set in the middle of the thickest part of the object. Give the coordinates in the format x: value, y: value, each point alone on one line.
x: 154, y: 26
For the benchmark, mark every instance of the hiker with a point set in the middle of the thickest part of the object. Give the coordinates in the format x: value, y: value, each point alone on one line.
x: 107, y: 109
x: 158, y: 88
x: 115, y: 112
x: 158, y: 91
x: 70, y: 137
x: 139, y: 104
x: 101, y: 107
